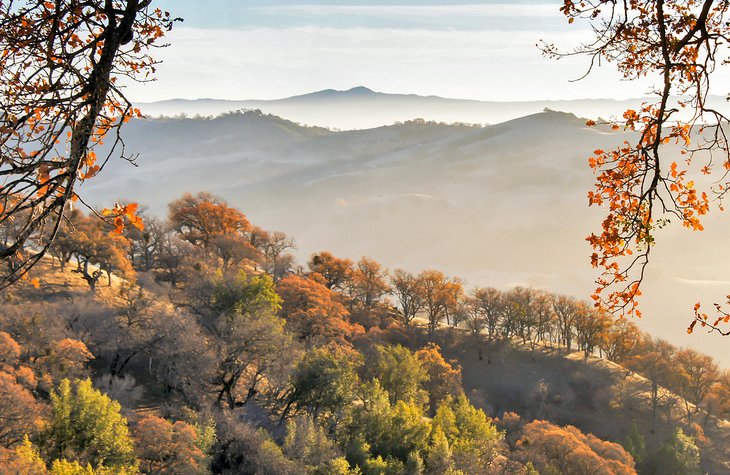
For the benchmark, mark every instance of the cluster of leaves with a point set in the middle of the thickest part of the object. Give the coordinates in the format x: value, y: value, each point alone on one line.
x: 678, y: 44
x: 61, y: 63
x: 566, y: 450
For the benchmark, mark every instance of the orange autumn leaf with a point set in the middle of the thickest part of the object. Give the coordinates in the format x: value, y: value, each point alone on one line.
x: 119, y: 213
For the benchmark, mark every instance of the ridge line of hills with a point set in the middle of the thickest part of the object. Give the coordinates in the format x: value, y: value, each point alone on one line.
x: 365, y: 92
x: 360, y: 107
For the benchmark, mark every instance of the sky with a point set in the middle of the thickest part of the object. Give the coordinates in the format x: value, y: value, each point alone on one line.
x: 486, y: 50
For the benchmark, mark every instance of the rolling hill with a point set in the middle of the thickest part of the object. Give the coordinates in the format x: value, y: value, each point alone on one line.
x: 360, y: 108
x: 499, y: 205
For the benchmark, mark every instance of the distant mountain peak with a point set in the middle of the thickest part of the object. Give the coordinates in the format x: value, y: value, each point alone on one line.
x: 360, y: 90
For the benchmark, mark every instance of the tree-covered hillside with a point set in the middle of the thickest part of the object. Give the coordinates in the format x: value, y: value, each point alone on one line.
x: 200, y: 345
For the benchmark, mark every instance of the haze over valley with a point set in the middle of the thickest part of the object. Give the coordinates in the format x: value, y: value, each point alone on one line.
x: 499, y: 205
x: 360, y: 108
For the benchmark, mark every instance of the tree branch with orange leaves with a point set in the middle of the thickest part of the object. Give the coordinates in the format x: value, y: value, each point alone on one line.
x: 59, y: 98
x: 679, y: 44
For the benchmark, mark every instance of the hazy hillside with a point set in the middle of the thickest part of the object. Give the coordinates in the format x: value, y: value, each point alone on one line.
x: 360, y: 108
x: 499, y: 205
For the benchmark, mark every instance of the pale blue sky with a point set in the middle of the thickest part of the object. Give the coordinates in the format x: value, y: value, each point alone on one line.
x: 241, y: 49
x: 434, y: 14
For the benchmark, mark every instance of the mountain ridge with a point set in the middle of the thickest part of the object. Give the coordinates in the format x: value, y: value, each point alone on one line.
x: 361, y: 107
x: 364, y: 90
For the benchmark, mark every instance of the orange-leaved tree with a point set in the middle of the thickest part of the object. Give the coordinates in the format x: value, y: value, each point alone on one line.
x: 61, y: 65
x: 678, y: 44
x: 207, y: 221
x: 313, y: 312
x: 555, y: 449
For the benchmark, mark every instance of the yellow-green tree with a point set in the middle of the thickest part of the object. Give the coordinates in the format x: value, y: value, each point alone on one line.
x: 400, y: 373
x: 678, y: 456
x: 473, y: 439
x: 86, y: 426
x: 324, y: 381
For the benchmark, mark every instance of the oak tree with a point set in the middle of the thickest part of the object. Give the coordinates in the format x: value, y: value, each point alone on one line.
x: 335, y: 271
x: 696, y: 374
x: 60, y: 73
x: 566, y: 313
x: 401, y: 373
x: 677, y: 455
x: 251, y: 343
x: 368, y: 283
x: 654, y: 361
x: 483, y: 313
x: 474, y: 440
x: 167, y: 448
x: 324, y: 380
x: 87, y: 426
x: 314, y: 313
x: 19, y: 410
x: 678, y: 45
x: 444, y: 377
x: 441, y: 296
x: 566, y: 450
x: 408, y: 290
x: 206, y: 221
x: 621, y: 340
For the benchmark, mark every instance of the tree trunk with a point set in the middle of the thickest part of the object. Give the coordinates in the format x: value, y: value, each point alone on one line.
x: 654, y: 405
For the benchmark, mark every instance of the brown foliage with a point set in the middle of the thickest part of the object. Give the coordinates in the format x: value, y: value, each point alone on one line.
x: 440, y: 296
x: 9, y: 350
x: 167, y: 448
x: 654, y: 361
x: 444, y: 377
x: 571, y: 452
x: 18, y: 410
x: 97, y: 249
x: 203, y: 217
x: 334, y: 272
x: 368, y: 283
x: 408, y: 290
x: 718, y: 399
x: 314, y: 313
x: 68, y: 359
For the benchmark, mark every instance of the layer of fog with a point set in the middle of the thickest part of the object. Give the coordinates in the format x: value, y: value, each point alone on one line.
x: 361, y: 108
x: 498, y: 206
